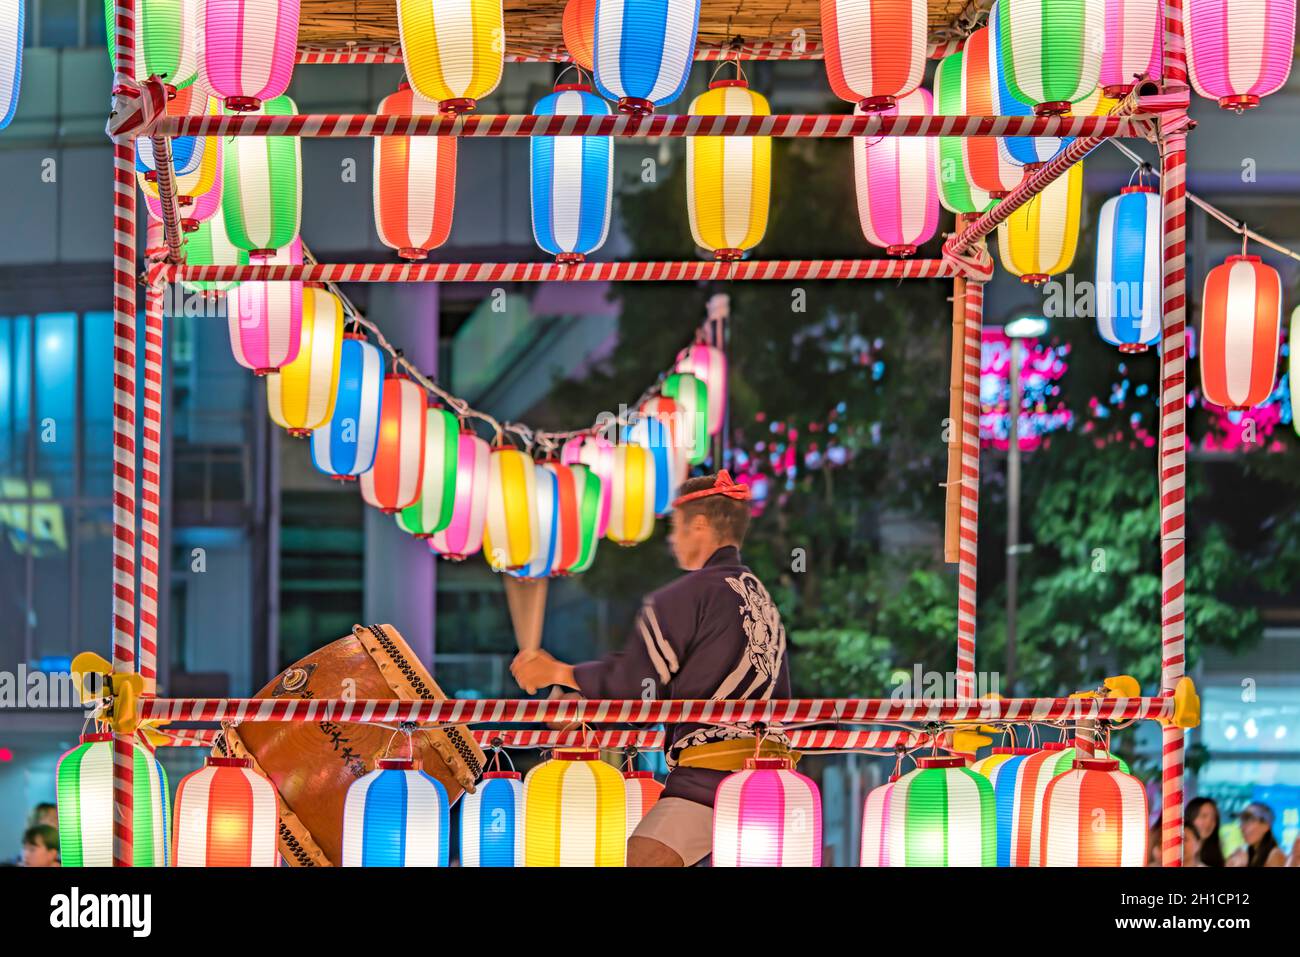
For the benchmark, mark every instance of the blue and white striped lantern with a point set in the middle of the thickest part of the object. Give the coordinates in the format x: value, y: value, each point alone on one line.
x: 572, y: 178
x: 1128, y: 269
x: 11, y: 58
x: 644, y: 50
x: 546, y: 492
x: 651, y: 433
x: 492, y: 822
x: 396, y: 816
x: 344, y: 447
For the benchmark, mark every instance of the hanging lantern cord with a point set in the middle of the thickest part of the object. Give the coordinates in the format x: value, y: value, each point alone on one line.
x: 583, y: 78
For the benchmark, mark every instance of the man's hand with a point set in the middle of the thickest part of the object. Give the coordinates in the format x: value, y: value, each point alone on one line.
x: 537, y: 669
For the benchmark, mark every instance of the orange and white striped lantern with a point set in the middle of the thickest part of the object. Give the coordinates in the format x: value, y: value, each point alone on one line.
x: 300, y: 395
x: 1094, y: 815
x: 226, y: 816
x: 579, y: 28
x: 568, y: 515
x: 393, y: 482
x: 510, y: 531
x: 1241, y: 327
x: 989, y: 168
x: 632, y: 495
x: 415, y: 181
x: 643, y: 792
x: 875, y: 49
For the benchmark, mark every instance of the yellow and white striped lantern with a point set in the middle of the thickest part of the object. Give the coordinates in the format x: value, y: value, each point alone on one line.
x: 1039, y: 239
x: 510, y: 528
x: 300, y: 396
x: 575, y: 812
x: 454, y: 49
x: 632, y: 495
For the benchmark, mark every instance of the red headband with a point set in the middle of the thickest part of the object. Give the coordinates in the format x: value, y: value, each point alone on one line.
x: 723, y: 485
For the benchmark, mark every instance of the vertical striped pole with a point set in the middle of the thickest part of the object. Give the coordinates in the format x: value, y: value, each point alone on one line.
x: 123, y: 432
x: 1173, y: 435
x: 150, y: 471
x: 968, y: 542
x: 956, y: 396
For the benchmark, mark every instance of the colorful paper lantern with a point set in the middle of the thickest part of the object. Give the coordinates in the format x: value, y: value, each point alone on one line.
x: 545, y: 512
x: 875, y: 49
x: 84, y: 792
x: 300, y: 396
x: 344, y: 447
x: 227, y: 815
x: 708, y: 364
x: 262, y: 189
x: 510, y: 532
x: 414, y: 182
x: 209, y: 246
x: 644, y: 50
x: 669, y: 414
x: 11, y: 58
x: 1094, y: 815
x: 575, y: 812
x: 589, y: 492
x: 1128, y: 269
x: 492, y: 822
x: 1293, y: 369
x: 1050, y: 50
x: 643, y: 792
x: 692, y: 398
x: 988, y: 168
x: 187, y: 151
x: 653, y: 436
x: 1135, y: 32
x: 246, y: 49
x: 165, y: 39
x: 767, y: 815
x: 454, y: 49
x: 728, y: 178
x: 897, y: 189
x: 957, y: 190
x: 632, y: 495
x: 569, y: 481
x: 463, y: 535
x: 394, y: 480
x: 988, y: 765
x: 396, y: 816
x: 199, y: 189
x: 595, y: 452
x: 942, y: 815
x: 875, y: 825
x: 572, y: 178
x: 431, y: 512
x: 579, y: 27
x: 265, y: 318
x: 1238, y: 52
x: 1039, y: 239
x: 1241, y: 326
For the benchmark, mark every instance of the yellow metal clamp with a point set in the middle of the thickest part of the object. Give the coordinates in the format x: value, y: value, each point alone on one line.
x: 124, y: 689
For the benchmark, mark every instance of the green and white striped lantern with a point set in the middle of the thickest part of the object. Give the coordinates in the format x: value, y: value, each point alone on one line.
x: 262, y: 193
x: 587, y: 485
x: 165, y: 36
x: 1050, y: 50
x: 942, y: 815
x: 432, y: 511
x: 957, y: 193
x: 210, y: 246
x: 692, y: 398
x: 84, y: 789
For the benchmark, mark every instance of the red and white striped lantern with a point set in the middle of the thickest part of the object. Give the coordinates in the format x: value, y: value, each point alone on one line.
x: 1241, y: 325
x: 567, y: 516
x: 875, y: 49
x: 897, y: 190
x: 595, y: 452
x: 643, y: 791
x: 393, y: 482
x: 1094, y: 815
x: 767, y: 815
x: 988, y: 167
x: 414, y: 182
x: 226, y: 816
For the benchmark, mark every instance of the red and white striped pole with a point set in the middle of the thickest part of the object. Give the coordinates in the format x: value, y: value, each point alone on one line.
x: 968, y: 528
x: 150, y: 472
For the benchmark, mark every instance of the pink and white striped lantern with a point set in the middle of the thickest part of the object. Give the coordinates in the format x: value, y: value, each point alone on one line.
x: 393, y: 481
x: 767, y: 815
x: 875, y: 49
x: 643, y: 792
x: 875, y: 826
x: 1240, y: 51
x: 1135, y: 31
x: 1241, y: 328
x: 898, y: 192
x: 463, y: 535
x: 708, y: 364
x: 265, y: 318
x: 1094, y: 815
x: 595, y: 452
x: 246, y: 49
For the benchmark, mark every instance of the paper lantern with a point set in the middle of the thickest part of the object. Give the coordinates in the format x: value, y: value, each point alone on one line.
x: 589, y: 492
x: 208, y: 245
x: 597, y: 454
x: 394, y: 480
x: 632, y: 495
x: 708, y: 364
x: 942, y: 815
x: 84, y: 792
x: 11, y: 58
x: 957, y: 190
x: 875, y: 825
x: 414, y: 187
x: 226, y: 816
x: 262, y: 192
x: 728, y: 178
x: 988, y: 168
x: 644, y: 50
x: 265, y: 318
x: 545, y: 511
x: 1039, y: 239
x: 767, y: 815
x: 875, y: 49
x: 1238, y: 52
x: 643, y: 792
x: 568, y: 543
x: 1135, y: 31
x: 1094, y: 815
x: 1050, y: 50
x: 575, y: 812
x: 344, y: 447
x: 453, y: 49
x: 463, y: 535
x: 1293, y: 369
x: 651, y: 434
x: 667, y: 412
x: 431, y: 512
x: 396, y: 816
x: 165, y: 39
x: 510, y: 531
x: 1128, y: 269
x: 492, y: 822
x: 572, y: 178
x: 187, y: 151
x: 897, y: 191
x: 199, y: 189
x: 579, y: 26
x: 300, y: 397
x: 1241, y: 326
x: 692, y: 398
x: 246, y: 50
x: 988, y: 766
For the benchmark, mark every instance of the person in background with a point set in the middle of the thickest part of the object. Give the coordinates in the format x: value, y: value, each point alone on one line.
x: 1193, y: 846
x: 41, y: 846
x: 1261, y: 848
x: 1203, y: 815
x: 44, y: 813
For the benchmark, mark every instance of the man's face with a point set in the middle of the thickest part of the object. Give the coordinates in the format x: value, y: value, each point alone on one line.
x: 690, y: 537
x: 36, y: 854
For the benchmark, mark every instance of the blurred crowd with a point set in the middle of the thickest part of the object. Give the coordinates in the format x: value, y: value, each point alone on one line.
x: 1252, y: 842
x: 40, y: 839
